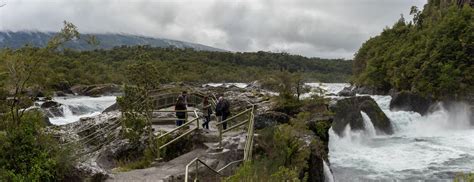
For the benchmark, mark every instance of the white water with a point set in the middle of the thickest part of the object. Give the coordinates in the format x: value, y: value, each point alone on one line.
x: 327, y: 173
x: 82, y: 106
x: 368, y: 125
x: 435, y: 147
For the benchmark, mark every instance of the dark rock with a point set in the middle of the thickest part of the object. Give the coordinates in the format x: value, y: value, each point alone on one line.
x: 270, y: 118
x: 347, y: 111
x: 49, y: 104
x: 347, y: 91
x: 315, y: 168
x: 370, y: 90
x: 60, y: 94
x: 96, y: 90
x: 52, y: 109
x: 408, y: 101
x: 377, y: 116
x: 113, y: 107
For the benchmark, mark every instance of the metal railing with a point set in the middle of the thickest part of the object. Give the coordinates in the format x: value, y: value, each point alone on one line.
x: 248, y: 143
x: 196, y: 161
x: 186, y: 124
x: 250, y: 129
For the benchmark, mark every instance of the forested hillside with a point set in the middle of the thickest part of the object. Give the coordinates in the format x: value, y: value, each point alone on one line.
x: 18, y: 39
x: 68, y: 67
x: 431, y: 55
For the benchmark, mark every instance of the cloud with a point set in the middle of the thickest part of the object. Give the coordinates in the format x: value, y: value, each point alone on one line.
x: 315, y: 28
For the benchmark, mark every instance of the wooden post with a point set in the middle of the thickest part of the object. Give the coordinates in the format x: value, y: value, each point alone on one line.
x: 220, y: 134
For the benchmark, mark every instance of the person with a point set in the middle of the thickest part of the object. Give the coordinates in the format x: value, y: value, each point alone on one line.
x: 184, y: 94
x: 180, y: 108
x: 207, y: 111
x: 222, y: 111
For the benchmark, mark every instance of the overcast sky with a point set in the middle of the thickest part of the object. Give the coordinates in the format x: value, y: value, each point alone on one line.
x: 314, y: 28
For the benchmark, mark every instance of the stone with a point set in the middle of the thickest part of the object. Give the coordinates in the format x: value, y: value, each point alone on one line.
x: 348, y: 111
x: 96, y: 90
x: 270, y: 118
x: 347, y: 92
x: 408, y: 101
x: 113, y: 107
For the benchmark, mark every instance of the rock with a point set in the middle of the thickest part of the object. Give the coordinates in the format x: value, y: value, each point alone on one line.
x: 377, y: 116
x: 270, y: 118
x: 408, y: 101
x: 52, y: 109
x: 347, y: 91
x: 255, y: 85
x: 348, y: 111
x: 113, y: 107
x: 49, y: 104
x: 370, y: 90
x: 96, y: 90
x: 315, y: 168
x: 60, y: 94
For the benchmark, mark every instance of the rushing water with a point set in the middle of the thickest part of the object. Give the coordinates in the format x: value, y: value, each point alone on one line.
x: 436, y: 146
x: 76, y: 107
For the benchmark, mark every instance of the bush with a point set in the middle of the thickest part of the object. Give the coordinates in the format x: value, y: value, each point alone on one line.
x: 27, y: 153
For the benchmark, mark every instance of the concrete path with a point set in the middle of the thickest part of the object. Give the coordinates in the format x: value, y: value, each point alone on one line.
x: 161, y: 172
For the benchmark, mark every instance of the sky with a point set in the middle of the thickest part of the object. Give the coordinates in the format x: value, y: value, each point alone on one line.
x: 312, y: 28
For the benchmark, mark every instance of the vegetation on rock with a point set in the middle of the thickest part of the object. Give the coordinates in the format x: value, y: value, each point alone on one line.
x: 431, y: 55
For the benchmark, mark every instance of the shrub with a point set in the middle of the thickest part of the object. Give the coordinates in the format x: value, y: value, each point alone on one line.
x: 27, y: 153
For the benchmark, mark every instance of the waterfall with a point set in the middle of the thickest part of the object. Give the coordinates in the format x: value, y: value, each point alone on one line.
x: 328, y: 177
x: 76, y: 107
x: 369, y: 126
x: 431, y: 147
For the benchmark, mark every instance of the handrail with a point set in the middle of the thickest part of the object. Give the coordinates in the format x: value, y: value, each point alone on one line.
x: 182, y: 135
x: 235, y: 116
x: 177, y: 128
x: 197, y: 161
x: 233, y: 162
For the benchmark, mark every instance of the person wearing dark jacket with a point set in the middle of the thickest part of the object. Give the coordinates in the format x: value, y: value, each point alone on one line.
x: 180, y: 106
x: 222, y: 111
x: 207, y: 111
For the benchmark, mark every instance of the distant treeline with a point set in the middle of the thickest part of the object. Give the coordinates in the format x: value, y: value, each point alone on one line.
x: 432, y: 55
x: 69, y: 67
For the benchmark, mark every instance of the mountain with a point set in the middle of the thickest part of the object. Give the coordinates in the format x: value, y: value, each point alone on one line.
x: 18, y: 39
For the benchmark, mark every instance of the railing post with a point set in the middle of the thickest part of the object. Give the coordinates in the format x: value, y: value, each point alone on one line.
x: 197, y: 169
x: 197, y: 119
x: 220, y: 135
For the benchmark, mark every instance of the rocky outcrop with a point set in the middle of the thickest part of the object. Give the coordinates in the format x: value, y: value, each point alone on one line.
x: 52, y: 109
x: 347, y: 91
x: 348, y: 111
x: 370, y: 90
x: 113, y: 107
x: 408, y: 101
x: 96, y: 90
x: 270, y: 118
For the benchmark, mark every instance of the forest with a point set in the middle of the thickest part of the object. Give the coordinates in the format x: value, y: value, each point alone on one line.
x: 431, y: 55
x: 57, y: 69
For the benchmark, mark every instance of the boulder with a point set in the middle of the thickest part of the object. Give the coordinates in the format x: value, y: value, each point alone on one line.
x: 113, y: 107
x: 347, y: 91
x: 96, y: 90
x: 270, y: 118
x: 52, y: 109
x: 348, y: 111
x: 408, y: 101
x: 49, y: 104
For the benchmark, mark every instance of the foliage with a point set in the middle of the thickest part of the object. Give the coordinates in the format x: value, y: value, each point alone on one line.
x: 281, y: 155
x: 431, y: 55
x: 172, y: 65
x: 29, y: 154
x: 461, y: 177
